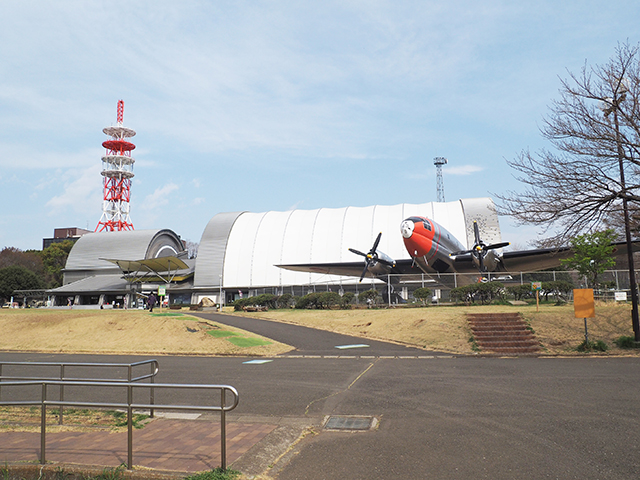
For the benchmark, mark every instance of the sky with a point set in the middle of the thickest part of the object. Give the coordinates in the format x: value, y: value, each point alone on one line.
x: 279, y: 105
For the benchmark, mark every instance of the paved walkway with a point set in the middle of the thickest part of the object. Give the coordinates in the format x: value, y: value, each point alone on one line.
x: 163, y: 444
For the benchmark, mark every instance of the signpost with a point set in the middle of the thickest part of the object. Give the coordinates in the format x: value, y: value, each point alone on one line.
x: 162, y: 291
x: 537, y: 286
x: 621, y: 296
x: 584, y: 307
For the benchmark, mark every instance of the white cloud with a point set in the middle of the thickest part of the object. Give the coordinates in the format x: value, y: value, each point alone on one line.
x: 29, y: 155
x: 159, y: 197
x: 462, y: 170
x: 81, y: 190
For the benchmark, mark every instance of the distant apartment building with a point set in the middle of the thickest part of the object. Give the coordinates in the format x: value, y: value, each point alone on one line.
x: 62, y: 234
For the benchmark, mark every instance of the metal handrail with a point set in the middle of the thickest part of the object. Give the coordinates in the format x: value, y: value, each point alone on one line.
x: 61, y: 376
x: 129, y: 406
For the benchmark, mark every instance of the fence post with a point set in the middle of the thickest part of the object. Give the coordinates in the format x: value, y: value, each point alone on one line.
x: 129, y: 425
x: 61, y: 394
x: 152, y: 396
x: 43, y: 425
x: 223, y: 430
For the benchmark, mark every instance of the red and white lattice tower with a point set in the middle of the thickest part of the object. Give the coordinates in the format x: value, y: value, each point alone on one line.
x: 117, y: 170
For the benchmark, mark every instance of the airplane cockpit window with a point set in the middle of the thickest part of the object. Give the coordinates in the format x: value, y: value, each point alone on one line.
x: 425, y: 223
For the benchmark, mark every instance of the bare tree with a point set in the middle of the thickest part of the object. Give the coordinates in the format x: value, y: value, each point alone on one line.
x: 192, y: 248
x: 595, y: 130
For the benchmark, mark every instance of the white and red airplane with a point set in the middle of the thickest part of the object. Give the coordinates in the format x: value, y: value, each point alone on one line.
x: 436, y: 252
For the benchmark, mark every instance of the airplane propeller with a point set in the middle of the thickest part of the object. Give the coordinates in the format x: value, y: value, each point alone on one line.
x: 480, y: 249
x: 372, y: 257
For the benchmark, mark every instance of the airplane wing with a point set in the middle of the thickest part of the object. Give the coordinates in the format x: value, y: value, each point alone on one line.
x: 544, y: 258
x: 535, y: 259
x: 512, y: 261
x: 350, y: 269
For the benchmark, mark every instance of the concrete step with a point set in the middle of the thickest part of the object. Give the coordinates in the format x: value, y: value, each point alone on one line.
x: 513, y: 335
x: 502, y: 333
x: 490, y: 344
x: 498, y: 328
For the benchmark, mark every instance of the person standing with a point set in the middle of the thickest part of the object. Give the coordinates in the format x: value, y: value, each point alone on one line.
x: 151, y: 301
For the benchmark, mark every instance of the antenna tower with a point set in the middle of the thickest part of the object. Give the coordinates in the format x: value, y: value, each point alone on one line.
x: 117, y: 170
x: 439, y: 162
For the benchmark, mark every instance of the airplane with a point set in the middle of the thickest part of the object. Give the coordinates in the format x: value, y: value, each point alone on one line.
x: 436, y: 252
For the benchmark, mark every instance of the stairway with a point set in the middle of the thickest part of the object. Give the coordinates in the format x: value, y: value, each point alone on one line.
x: 504, y: 333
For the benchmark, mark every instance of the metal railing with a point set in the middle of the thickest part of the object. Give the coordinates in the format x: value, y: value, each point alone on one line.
x: 44, y: 402
x: 61, y: 376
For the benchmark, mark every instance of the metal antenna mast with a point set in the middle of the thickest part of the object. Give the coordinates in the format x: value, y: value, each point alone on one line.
x: 438, y: 162
x: 117, y: 170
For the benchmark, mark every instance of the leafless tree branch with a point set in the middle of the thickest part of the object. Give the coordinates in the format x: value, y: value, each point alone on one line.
x: 575, y: 187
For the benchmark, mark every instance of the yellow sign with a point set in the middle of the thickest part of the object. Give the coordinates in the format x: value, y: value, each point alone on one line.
x: 583, y: 304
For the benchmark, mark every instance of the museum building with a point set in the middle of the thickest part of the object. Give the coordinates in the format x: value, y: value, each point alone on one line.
x: 239, y: 252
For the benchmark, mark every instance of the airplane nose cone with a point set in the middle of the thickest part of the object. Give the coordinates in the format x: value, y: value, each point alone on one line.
x: 406, y: 228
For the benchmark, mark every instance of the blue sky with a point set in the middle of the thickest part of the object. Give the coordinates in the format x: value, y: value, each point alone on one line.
x: 276, y: 105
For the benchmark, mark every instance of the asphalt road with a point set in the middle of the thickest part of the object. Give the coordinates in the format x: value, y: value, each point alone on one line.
x: 309, y: 341
x: 440, y: 417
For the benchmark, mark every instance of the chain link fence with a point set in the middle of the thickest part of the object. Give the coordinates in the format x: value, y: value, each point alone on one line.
x: 403, y: 286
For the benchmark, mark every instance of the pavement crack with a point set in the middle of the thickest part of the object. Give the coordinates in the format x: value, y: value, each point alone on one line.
x: 306, y: 411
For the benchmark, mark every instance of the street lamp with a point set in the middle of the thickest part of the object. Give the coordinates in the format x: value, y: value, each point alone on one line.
x: 611, y: 105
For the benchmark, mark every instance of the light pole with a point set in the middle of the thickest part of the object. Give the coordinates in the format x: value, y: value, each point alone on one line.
x: 612, y: 106
x: 221, y: 297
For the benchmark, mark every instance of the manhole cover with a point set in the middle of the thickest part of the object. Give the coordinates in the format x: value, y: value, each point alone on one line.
x: 341, y: 422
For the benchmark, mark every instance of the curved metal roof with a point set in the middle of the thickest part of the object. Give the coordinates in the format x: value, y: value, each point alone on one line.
x: 88, y: 251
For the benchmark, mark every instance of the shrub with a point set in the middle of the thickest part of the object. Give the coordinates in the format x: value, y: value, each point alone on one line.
x: 368, y: 296
x: 266, y: 300
x: 285, y: 300
x: 346, y: 299
x: 328, y: 299
x: 483, y: 292
x: 557, y: 288
x: 597, y: 346
x: 626, y: 342
x: 422, y: 294
x: 520, y: 292
x: 310, y: 300
x: 240, y: 303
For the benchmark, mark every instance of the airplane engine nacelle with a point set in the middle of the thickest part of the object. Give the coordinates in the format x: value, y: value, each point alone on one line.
x: 381, y: 268
x: 491, y: 261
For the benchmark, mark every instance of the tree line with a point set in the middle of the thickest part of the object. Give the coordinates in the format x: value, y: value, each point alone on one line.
x: 32, y: 269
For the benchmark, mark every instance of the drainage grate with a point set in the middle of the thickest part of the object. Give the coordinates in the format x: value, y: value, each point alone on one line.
x: 341, y: 422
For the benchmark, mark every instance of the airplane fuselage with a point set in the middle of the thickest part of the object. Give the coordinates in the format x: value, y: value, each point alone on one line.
x: 429, y: 244
x: 434, y: 249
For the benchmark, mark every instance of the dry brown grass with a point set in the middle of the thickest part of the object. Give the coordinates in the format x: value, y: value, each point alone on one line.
x: 119, y: 332
x: 444, y: 328
x: 441, y: 328
x: 27, y: 419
